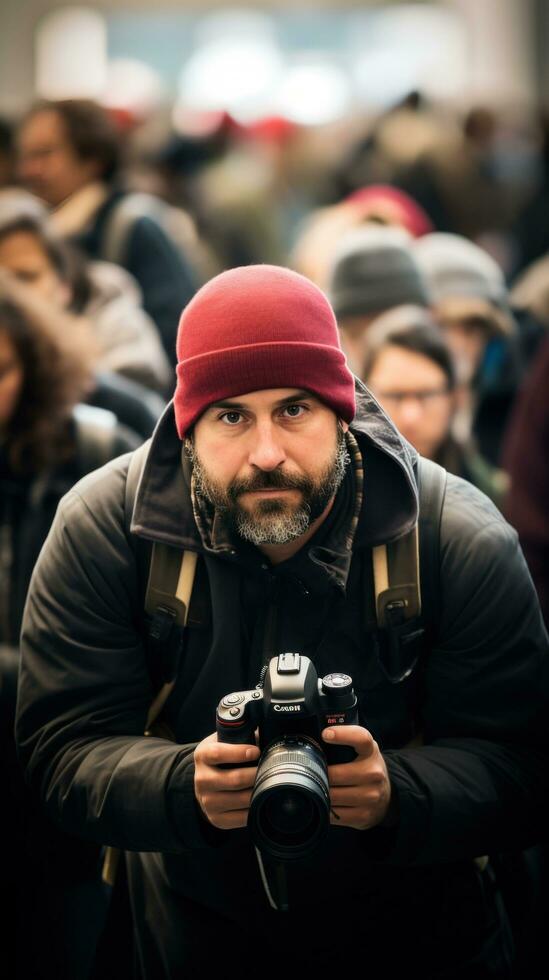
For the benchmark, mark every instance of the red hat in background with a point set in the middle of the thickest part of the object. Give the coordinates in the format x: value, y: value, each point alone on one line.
x: 258, y: 327
x: 391, y: 206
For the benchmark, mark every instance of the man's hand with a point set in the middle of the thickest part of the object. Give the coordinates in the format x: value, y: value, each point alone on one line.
x: 224, y: 794
x: 360, y: 791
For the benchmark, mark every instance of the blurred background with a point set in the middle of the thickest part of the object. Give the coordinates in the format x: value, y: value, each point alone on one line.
x: 307, y: 83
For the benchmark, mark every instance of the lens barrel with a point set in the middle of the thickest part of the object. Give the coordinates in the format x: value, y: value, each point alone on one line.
x: 290, y: 806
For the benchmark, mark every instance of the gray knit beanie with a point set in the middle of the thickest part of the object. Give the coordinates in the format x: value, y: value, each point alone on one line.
x: 462, y: 278
x: 373, y: 270
x: 454, y: 266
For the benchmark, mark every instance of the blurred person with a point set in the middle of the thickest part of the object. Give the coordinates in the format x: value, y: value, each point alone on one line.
x: 244, y: 198
x: 409, y: 368
x: 526, y: 459
x: 446, y: 161
x: 529, y: 298
x: 388, y: 205
x: 394, y: 141
x: 52, y: 899
x: 372, y: 270
x: 7, y: 152
x: 281, y: 477
x: 103, y: 293
x: 54, y: 271
x: 529, y: 232
x: 70, y: 156
x: 319, y: 234
x: 469, y: 299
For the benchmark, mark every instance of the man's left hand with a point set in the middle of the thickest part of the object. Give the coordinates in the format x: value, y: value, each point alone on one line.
x: 360, y: 791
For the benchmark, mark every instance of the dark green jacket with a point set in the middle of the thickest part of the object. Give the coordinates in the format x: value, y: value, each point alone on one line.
x: 478, y: 695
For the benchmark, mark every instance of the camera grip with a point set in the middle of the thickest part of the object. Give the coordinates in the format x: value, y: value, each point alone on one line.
x: 230, y: 732
x: 235, y: 738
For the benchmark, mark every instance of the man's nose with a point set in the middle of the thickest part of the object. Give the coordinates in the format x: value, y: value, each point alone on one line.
x: 266, y: 450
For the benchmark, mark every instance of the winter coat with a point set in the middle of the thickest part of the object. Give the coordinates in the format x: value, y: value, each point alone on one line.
x: 166, y: 278
x: 463, y: 459
x: 526, y: 459
x: 29, y: 502
x: 129, y: 343
x: 45, y: 872
x: 476, y: 699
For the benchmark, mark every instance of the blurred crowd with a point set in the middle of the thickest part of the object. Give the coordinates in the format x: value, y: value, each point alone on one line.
x: 429, y: 233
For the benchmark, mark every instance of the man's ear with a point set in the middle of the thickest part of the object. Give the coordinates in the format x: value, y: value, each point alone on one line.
x: 344, y: 425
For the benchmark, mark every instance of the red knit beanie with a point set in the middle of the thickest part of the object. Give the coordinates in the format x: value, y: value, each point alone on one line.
x: 258, y: 327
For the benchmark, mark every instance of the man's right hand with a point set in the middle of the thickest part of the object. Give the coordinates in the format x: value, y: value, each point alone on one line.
x: 224, y: 794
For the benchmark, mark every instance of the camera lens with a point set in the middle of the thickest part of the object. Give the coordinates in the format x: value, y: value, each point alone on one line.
x: 290, y: 805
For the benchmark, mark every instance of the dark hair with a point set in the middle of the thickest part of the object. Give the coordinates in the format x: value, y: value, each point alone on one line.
x: 57, y: 360
x: 91, y: 131
x: 7, y: 138
x: 413, y: 329
x: 67, y: 261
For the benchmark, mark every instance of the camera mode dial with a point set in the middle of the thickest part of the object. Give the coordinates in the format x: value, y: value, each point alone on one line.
x: 336, y: 683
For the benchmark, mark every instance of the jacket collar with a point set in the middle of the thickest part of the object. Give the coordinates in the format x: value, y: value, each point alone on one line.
x: 76, y: 211
x: 163, y: 508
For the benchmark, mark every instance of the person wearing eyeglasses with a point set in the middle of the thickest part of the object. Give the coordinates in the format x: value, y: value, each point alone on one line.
x: 410, y: 370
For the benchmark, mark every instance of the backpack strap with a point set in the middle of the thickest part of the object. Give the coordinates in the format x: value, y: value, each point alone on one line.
x: 167, y: 601
x: 96, y: 432
x: 406, y: 576
x: 432, y: 480
x: 169, y: 609
x: 114, y: 245
x: 396, y: 579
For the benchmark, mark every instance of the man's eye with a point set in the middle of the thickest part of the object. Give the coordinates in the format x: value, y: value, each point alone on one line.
x: 230, y: 418
x: 294, y: 411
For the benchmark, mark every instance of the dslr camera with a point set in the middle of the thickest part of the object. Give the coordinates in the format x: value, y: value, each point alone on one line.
x: 289, y: 812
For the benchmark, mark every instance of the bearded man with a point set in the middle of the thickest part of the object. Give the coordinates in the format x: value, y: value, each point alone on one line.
x: 282, y: 475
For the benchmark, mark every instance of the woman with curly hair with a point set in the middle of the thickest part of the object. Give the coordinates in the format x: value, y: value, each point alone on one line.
x: 49, y: 439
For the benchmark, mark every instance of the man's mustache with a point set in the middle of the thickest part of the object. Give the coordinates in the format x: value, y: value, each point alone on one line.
x: 267, y: 480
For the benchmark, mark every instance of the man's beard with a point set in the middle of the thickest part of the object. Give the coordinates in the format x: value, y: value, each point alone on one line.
x: 273, y: 521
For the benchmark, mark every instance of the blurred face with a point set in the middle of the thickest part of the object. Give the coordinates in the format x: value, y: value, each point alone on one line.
x: 467, y: 339
x: 272, y: 460
x: 352, y: 333
x: 48, y: 164
x: 413, y: 390
x: 11, y: 380
x: 22, y: 254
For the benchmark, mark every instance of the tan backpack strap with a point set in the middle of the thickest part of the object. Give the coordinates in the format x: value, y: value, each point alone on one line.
x: 171, y: 577
x: 168, y: 597
x: 165, y: 563
x: 396, y: 579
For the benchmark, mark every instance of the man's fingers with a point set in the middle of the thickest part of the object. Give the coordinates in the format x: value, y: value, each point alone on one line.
x: 216, y: 780
x: 229, y: 821
x: 214, y: 753
x: 357, y: 737
x: 357, y: 773
x: 215, y: 803
x: 347, y: 796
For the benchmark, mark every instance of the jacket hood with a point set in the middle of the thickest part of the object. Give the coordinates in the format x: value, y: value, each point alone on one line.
x: 163, y: 509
